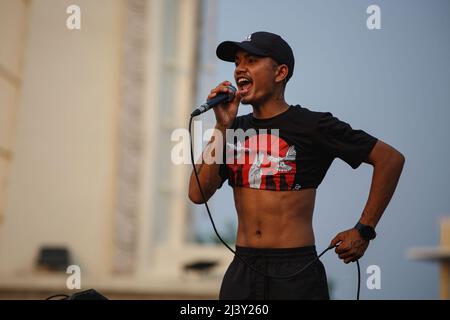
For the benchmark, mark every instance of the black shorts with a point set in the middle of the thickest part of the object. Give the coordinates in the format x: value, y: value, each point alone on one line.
x: 240, y: 282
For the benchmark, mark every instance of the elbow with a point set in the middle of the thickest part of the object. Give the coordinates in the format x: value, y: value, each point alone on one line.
x: 196, y: 197
x: 392, y: 159
x: 396, y: 162
x: 400, y: 159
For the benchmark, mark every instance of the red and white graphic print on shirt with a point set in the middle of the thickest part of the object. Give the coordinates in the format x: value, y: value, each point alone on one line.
x: 264, y: 161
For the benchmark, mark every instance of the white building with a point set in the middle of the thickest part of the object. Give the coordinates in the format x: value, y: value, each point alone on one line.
x: 85, y: 122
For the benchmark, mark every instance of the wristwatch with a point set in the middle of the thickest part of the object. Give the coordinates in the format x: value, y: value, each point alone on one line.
x: 366, y: 232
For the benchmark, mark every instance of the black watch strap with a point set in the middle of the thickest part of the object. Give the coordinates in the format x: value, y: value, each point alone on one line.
x: 366, y: 232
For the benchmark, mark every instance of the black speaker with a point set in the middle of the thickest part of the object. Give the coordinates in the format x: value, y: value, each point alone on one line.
x: 90, y: 294
x: 53, y: 258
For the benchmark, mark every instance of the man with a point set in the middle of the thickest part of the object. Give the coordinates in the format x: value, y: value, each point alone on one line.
x: 274, y: 183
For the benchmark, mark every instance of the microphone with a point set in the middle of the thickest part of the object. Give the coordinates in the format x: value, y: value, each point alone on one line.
x: 218, y: 99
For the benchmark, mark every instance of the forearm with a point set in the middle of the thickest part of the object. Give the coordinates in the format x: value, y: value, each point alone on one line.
x: 208, y: 168
x: 384, y: 182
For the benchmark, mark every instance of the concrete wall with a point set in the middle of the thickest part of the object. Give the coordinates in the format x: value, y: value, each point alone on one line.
x: 61, y: 182
x: 70, y: 109
x: 12, y: 34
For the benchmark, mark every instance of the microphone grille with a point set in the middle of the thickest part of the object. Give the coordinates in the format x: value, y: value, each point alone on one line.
x: 232, y: 88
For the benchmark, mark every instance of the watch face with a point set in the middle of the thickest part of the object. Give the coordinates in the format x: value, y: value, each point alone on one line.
x: 369, y: 233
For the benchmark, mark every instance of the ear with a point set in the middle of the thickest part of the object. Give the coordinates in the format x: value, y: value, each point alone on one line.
x: 281, y: 72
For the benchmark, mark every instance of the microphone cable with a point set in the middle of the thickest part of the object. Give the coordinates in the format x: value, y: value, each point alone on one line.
x: 234, y: 252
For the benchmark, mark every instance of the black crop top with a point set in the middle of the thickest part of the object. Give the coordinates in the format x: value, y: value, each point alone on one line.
x: 294, y: 157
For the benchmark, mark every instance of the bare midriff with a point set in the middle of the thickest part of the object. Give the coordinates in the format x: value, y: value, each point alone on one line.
x: 274, y: 219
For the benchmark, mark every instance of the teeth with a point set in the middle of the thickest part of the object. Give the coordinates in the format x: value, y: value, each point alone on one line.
x: 243, y: 81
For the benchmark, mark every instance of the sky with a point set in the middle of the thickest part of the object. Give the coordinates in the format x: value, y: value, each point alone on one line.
x: 391, y: 82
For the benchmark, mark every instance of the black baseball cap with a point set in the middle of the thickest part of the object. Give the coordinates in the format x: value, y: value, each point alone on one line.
x: 261, y: 43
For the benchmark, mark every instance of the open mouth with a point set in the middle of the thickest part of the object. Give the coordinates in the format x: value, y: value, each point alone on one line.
x: 244, y: 84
